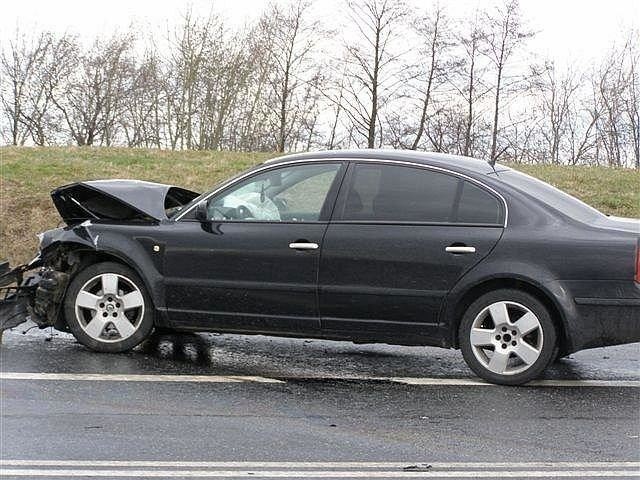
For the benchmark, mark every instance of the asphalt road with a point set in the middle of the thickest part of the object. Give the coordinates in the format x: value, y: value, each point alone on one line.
x: 223, y: 406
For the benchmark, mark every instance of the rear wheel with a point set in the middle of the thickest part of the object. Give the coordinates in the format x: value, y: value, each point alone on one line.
x: 108, y: 308
x: 508, y: 337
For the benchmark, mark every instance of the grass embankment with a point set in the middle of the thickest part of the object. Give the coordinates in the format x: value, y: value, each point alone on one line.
x: 27, y: 175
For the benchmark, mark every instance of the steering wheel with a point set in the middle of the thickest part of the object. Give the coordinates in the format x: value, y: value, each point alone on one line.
x: 243, y: 212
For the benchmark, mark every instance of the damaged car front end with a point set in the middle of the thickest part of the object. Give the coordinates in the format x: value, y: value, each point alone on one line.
x: 35, y: 291
x: 31, y: 297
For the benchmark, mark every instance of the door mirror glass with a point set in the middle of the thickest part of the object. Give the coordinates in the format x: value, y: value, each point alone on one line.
x: 201, y: 212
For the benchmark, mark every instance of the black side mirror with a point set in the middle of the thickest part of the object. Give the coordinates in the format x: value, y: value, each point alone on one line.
x: 202, y: 212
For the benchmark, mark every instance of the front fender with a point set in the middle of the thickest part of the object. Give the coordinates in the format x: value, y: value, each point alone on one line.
x: 141, y: 253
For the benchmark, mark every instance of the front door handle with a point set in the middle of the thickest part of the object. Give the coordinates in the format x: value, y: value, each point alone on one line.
x: 460, y: 249
x: 303, y: 246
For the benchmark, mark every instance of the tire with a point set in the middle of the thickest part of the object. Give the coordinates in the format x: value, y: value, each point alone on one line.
x: 108, y: 308
x: 517, y: 326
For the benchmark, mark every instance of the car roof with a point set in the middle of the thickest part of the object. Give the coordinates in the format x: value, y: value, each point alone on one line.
x: 442, y: 160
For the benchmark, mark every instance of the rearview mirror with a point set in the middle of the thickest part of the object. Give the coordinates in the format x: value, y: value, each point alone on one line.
x: 276, y: 179
x: 202, y: 212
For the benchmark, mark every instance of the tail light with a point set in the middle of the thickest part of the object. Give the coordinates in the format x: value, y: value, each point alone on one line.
x: 637, y: 277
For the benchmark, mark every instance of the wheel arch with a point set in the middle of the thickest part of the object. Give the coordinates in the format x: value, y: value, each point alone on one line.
x: 74, y: 257
x: 464, y: 299
x: 87, y: 257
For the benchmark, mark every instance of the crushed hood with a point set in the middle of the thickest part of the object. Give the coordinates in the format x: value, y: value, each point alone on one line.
x: 120, y: 200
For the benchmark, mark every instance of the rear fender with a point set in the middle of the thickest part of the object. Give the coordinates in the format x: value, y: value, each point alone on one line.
x: 532, y: 277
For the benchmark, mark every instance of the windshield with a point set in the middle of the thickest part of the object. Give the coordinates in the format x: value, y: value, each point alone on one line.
x: 561, y: 201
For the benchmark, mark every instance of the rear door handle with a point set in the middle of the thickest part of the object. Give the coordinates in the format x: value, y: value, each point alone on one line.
x: 460, y: 249
x: 303, y: 246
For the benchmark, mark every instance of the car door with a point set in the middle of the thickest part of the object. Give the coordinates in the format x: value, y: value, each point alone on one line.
x: 400, y: 239
x: 253, y: 264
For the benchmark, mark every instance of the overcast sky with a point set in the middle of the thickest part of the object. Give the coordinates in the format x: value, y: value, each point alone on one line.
x: 579, y: 30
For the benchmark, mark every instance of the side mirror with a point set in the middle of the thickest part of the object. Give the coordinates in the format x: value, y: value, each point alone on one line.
x: 202, y: 212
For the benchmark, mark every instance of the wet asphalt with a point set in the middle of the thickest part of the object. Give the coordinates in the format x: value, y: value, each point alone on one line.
x: 333, y: 402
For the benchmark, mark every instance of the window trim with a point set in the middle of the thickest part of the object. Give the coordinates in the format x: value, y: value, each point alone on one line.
x: 349, y: 161
x: 325, y: 212
x: 348, y: 181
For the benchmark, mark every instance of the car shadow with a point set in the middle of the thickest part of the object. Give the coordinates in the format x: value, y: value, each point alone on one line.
x: 172, y: 352
x: 290, y: 357
x: 176, y: 346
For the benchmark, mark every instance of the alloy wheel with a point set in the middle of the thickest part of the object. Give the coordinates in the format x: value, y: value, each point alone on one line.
x: 109, y: 307
x: 506, y: 338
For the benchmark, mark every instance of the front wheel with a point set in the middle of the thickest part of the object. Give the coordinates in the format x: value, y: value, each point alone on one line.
x: 107, y: 308
x: 508, y: 337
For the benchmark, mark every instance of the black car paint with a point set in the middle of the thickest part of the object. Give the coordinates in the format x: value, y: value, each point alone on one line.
x: 375, y: 281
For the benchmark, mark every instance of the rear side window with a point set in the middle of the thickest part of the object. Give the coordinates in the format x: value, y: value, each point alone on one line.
x: 477, y: 206
x: 391, y: 193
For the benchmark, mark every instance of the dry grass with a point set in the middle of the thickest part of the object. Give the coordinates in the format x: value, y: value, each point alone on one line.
x: 27, y: 175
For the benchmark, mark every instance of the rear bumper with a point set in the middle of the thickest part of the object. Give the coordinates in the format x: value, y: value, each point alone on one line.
x: 600, y: 313
x: 605, y: 324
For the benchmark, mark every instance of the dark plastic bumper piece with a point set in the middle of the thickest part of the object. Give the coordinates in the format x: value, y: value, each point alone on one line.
x: 14, y: 307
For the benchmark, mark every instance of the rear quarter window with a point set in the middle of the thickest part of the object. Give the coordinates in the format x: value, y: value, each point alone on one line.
x: 477, y: 206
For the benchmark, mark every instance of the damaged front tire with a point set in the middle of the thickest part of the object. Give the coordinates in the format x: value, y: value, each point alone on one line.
x: 107, y: 308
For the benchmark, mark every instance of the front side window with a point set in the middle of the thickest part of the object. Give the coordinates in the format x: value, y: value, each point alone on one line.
x: 289, y: 194
x: 393, y: 193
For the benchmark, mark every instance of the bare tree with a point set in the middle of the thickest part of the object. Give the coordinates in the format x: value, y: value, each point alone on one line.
x: 336, y: 105
x: 504, y: 37
x: 19, y: 63
x: 92, y: 98
x: 371, y: 78
x: 556, y: 98
x: 269, y: 85
x: 432, y: 31
x: 471, y: 72
x: 41, y: 117
x: 141, y: 120
x: 632, y: 95
x: 292, y: 38
x: 610, y: 85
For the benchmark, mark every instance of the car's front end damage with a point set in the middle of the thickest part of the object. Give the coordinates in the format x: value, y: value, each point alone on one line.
x: 17, y: 298
x: 32, y: 291
x: 35, y: 291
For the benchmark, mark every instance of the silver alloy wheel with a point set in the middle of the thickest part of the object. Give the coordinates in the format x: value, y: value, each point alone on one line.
x: 506, y: 338
x: 109, y: 307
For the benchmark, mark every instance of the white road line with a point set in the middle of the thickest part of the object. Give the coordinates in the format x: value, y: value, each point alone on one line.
x: 317, y: 474
x: 435, y: 381
x: 291, y: 464
x: 109, y: 377
x: 534, y: 383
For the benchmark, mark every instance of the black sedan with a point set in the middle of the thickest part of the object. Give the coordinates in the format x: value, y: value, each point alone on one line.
x: 368, y: 246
